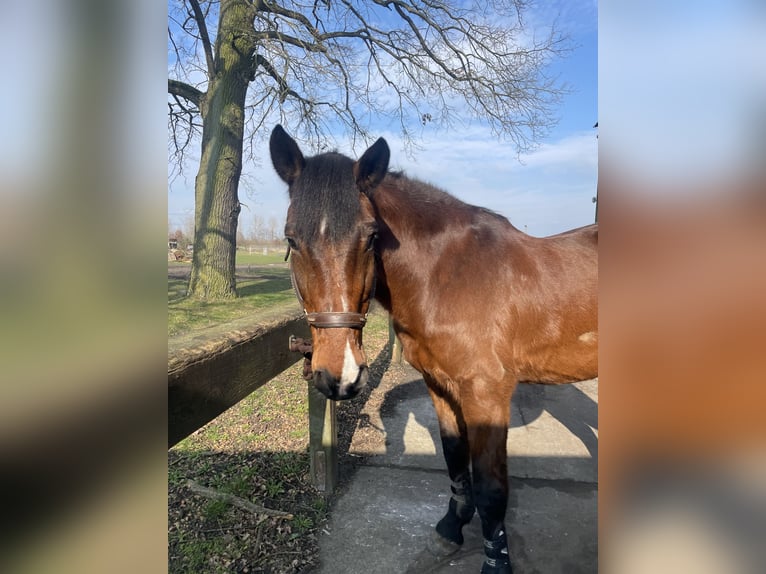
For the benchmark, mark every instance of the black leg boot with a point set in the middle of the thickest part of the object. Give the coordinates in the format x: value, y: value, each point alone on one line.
x: 496, y: 552
x: 461, y: 510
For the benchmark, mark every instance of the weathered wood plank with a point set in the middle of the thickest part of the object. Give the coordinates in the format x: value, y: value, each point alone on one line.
x: 209, y: 377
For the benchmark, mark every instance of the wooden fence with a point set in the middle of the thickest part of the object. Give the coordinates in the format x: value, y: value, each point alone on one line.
x: 208, y: 376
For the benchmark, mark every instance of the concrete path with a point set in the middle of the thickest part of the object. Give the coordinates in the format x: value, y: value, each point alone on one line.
x: 384, y: 515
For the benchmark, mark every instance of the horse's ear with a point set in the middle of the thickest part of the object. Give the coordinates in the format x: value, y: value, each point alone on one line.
x: 371, y: 168
x: 285, y: 155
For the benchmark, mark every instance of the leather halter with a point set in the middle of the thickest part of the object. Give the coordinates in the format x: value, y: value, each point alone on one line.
x: 331, y: 319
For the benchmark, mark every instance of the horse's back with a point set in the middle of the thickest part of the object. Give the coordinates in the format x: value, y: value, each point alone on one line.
x: 587, y: 236
x: 563, y: 345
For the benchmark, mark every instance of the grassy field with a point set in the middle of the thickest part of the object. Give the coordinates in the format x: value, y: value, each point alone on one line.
x: 260, y: 287
x: 245, y: 258
x: 259, y: 259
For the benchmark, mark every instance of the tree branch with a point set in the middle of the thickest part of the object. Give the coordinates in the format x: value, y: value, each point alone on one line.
x: 204, y: 36
x: 284, y: 89
x: 235, y: 501
x: 186, y: 91
x: 318, y: 62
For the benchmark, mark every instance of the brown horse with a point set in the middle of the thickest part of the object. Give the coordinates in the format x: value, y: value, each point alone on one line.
x: 477, y: 304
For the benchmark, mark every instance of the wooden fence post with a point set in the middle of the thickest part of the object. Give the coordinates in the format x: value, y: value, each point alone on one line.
x: 323, y: 441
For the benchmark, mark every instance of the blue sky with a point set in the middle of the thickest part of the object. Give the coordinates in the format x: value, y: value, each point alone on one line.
x: 544, y: 192
x: 683, y: 91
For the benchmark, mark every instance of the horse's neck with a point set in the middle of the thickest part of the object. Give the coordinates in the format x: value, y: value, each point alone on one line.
x: 398, y: 260
x: 407, y: 247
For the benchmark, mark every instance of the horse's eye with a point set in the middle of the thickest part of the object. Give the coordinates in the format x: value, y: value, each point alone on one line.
x: 371, y: 241
x: 291, y: 243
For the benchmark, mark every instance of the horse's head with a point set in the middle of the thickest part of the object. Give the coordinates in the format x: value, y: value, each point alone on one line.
x: 330, y: 232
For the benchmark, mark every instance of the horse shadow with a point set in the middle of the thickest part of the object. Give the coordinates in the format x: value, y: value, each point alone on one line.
x: 351, y: 414
x: 567, y: 404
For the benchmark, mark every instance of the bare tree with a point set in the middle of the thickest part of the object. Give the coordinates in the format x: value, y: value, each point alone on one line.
x: 259, y: 228
x: 329, y: 67
x: 273, y: 224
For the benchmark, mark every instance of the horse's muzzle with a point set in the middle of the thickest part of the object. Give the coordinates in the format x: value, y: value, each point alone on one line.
x: 334, y: 389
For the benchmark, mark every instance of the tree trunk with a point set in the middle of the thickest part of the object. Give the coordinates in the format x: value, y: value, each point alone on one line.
x: 217, y: 204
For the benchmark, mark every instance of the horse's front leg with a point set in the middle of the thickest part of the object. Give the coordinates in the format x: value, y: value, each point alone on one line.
x: 454, y: 439
x: 447, y: 539
x: 487, y: 433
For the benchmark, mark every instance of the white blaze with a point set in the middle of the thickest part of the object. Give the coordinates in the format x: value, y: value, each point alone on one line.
x: 350, y: 368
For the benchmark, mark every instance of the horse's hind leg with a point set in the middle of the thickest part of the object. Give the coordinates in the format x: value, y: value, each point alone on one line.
x: 457, y: 456
x: 487, y: 433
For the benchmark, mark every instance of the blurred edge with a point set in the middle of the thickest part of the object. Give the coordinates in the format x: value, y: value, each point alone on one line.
x: 682, y: 431
x: 682, y: 300
x: 83, y: 175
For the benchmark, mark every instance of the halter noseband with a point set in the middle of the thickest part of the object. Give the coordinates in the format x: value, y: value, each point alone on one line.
x: 330, y: 319
x: 336, y: 319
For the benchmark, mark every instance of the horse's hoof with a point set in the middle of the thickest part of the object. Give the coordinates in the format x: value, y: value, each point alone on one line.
x: 437, y: 552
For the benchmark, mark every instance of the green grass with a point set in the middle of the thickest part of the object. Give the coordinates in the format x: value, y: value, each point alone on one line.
x: 215, y: 509
x: 258, y: 289
x: 302, y: 523
x: 274, y: 487
x: 274, y: 412
x: 195, y: 555
x: 244, y: 258
x: 256, y: 450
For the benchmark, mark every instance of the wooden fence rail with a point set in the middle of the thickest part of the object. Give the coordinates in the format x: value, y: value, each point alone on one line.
x: 206, y: 377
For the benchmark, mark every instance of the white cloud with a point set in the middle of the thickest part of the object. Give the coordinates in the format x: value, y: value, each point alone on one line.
x: 578, y: 151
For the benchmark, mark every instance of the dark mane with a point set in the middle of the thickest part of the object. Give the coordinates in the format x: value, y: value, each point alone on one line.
x: 325, y: 190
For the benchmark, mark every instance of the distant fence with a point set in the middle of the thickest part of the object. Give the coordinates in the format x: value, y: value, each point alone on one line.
x: 207, y: 377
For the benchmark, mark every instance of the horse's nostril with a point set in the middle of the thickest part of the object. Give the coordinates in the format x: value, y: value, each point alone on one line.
x: 364, y: 374
x: 322, y: 381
